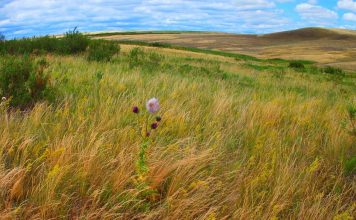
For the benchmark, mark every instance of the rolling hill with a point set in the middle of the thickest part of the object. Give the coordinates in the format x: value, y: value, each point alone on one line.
x: 312, y: 34
x: 334, y: 47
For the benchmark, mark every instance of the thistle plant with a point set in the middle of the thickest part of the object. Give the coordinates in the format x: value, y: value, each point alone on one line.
x: 4, y: 106
x: 148, y: 122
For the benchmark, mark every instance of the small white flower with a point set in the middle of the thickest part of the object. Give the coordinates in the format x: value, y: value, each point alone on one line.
x: 152, y: 105
x: 3, y: 99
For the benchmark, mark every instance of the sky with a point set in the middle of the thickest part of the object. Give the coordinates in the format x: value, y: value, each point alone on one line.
x: 24, y: 18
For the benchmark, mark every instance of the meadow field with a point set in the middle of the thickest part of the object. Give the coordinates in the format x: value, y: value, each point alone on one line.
x: 239, y: 138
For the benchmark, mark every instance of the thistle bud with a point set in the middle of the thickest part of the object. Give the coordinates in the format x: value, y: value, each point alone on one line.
x: 154, y: 125
x: 135, y: 110
x: 158, y: 118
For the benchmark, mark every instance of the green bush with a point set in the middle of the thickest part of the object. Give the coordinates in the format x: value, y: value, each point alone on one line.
x: 23, y: 81
x: 296, y: 65
x: 73, y: 42
x: 352, y: 116
x: 352, y: 112
x: 100, y: 50
x: 45, y: 44
x: 147, y: 61
x: 334, y: 71
x: 136, y: 57
x: 350, y: 166
x: 30, y: 45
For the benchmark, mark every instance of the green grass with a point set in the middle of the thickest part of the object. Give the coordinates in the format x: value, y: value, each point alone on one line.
x: 246, y: 139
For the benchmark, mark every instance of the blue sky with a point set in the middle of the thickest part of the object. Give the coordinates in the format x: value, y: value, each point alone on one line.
x: 19, y: 18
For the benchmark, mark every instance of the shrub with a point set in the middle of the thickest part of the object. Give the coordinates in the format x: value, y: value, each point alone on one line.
x: 46, y: 44
x: 73, y: 42
x: 334, y: 71
x: 30, y: 45
x: 148, y: 61
x: 24, y: 81
x: 158, y: 44
x: 350, y: 166
x: 296, y: 65
x: 100, y: 50
x: 136, y: 57
x: 352, y: 112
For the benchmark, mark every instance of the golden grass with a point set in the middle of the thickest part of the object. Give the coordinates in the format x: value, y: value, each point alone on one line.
x: 253, y: 147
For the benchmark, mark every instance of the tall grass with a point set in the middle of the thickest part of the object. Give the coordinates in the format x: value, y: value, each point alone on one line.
x: 244, y: 146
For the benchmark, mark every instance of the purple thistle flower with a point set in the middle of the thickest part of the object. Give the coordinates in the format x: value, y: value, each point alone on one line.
x: 135, y: 110
x: 154, y: 125
x: 152, y: 105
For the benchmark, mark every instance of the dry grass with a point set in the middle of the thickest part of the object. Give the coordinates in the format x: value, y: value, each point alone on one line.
x: 255, y: 146
x: 325, y: 46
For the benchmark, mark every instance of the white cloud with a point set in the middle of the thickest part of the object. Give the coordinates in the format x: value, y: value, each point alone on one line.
x: 316, y: 14
x: 349, y: 17
x: 57, y: 16
x: 347, y: 5
x: 253, y: 5
x: 312, y: 2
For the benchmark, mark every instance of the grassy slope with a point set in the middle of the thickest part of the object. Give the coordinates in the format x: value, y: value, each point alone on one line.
x: 236, y: 56
x: 312, y: 34
x: 303, y: 33
x: 238, y: 140
x: 325, y: 46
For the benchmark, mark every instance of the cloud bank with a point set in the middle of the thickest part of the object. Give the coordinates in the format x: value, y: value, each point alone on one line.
x: 32, y: 17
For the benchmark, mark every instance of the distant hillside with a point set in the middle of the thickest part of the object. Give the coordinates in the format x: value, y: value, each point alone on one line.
x: 312, y: 34
x: 336, y: 47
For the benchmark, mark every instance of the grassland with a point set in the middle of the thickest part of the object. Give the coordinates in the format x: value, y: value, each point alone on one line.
x: 239, y: 139
x: 325, y: 46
